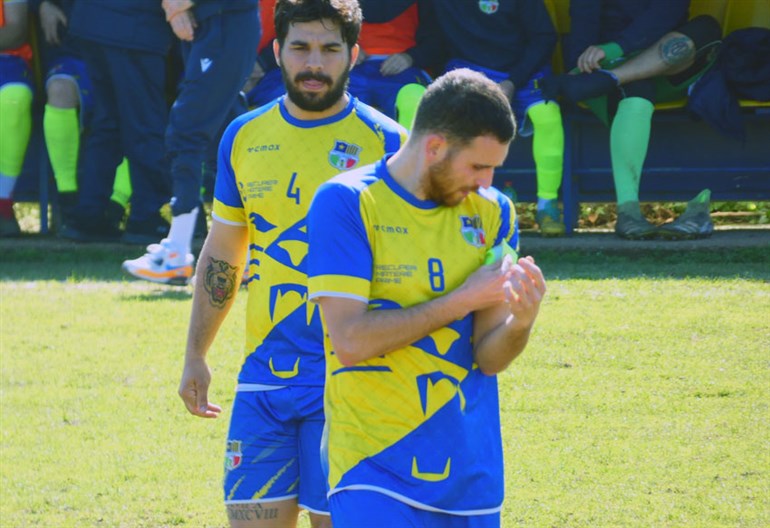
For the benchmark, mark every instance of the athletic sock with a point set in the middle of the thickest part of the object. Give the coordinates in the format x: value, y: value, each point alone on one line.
x: 62, y: 139
x: 181, y: 233
x: 547, y: 148
x: 701, y: 203
x: 15, y: 127
x: 121, y: 189
x: 584, y: 86
x: 407, y: 99
x: 629, y: 138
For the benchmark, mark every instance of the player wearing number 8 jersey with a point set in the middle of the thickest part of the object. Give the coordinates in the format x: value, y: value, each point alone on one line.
x: 416, y: 325
x: 271, y: 161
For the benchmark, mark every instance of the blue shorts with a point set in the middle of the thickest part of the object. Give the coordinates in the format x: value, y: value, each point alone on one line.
x: 15, y: 70
x: 273, y: 448
x: 380, y: 91
x: 525, y: 97
x: 356, y: 508
x: 73, y: 69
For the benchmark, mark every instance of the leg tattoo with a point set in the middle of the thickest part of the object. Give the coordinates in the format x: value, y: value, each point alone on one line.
x: 676, y: 50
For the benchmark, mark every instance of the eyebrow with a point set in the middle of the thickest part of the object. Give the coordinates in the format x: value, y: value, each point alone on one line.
x: 300, y: 42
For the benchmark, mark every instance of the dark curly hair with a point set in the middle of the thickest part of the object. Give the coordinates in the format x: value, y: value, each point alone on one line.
x: 345, y: 13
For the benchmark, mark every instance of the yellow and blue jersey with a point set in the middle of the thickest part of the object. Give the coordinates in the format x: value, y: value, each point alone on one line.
x: 420, y: 424
x: 270, y: 165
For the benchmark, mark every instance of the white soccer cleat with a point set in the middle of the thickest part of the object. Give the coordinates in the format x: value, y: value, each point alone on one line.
x: 162, y: 264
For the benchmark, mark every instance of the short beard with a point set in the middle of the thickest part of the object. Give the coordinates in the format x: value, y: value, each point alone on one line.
x: 439, y: 190
x: 315, y: 102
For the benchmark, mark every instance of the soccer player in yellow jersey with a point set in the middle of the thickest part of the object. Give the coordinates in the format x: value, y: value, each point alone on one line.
x: 417, y: 325
x: 271, y: 161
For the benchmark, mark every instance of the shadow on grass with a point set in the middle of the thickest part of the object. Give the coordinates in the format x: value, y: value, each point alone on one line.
x: 741, y: 263
x: 164, y: 294
x: 45, y: 258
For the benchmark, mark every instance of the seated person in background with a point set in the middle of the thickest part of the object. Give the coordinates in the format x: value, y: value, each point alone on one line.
x: 629, y: 55
x: 512, y: 44
x: 69, y: 97
x: 15, y: 105
x: 399, y: 40
x: 265, y: 82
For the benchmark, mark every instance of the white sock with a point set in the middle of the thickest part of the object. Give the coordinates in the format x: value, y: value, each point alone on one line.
x: 182, y: 229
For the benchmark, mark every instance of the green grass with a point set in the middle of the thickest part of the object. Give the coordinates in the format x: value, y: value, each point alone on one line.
x: 641, y: 401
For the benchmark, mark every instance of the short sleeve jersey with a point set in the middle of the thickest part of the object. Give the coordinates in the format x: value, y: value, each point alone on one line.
x: 420, y: 424
x: 270, y: 165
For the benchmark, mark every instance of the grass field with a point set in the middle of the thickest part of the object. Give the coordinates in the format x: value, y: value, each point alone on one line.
x: 642, y: 400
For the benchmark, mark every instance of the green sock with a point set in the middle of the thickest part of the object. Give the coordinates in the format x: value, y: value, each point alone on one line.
x: 406, y: 103
x: 62, y: 139
x: 15, y: 127
x: 121, y: 190
x: 547, y: 148
x: 629, y: 138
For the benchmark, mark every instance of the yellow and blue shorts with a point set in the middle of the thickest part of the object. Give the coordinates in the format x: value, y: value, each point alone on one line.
x: 357, y: 508
x: 273, y: 448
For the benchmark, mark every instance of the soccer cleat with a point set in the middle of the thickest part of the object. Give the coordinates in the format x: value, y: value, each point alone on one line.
x: 162, y: 264
x: 634, y: 227
x: 690, y: 225
x: 694, y: 223
x: 549, y: 220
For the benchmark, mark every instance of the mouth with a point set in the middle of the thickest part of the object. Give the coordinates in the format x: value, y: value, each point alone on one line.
x: 312, y: 83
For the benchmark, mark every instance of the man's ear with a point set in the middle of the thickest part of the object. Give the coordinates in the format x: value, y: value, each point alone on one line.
x: 435, y: 147
x: 354, y: 51
x: 277, y: 52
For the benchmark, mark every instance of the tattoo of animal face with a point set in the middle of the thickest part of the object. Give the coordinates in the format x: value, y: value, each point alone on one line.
x: 220, y: 282
x: 676, y: 50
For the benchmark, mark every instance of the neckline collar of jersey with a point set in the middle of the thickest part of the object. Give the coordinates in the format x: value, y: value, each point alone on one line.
x: 382, y: 172
x: 312, y: 123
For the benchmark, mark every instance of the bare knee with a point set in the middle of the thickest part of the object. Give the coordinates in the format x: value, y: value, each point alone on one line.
x: 320, y: 521
x: 62, y: 93
x: 676, y: 50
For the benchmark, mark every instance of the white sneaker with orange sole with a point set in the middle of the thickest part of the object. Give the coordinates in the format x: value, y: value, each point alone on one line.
x: 162, y: 264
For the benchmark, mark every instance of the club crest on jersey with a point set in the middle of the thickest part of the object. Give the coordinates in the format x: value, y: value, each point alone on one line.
x: 344, y: 155
x: 489, y: 6
x: 473, y: 231
x: 233, y: 456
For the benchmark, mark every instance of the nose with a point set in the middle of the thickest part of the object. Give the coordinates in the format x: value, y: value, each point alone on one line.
x: 485, y: 178
x: 314, y: 60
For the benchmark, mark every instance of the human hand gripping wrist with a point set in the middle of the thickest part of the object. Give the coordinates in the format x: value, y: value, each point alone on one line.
x: 483, y: 288
x: 180, y: 18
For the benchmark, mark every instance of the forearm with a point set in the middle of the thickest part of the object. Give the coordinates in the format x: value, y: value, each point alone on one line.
x: 373, y: 333
x: 217, y: 279
x: 498, y: 348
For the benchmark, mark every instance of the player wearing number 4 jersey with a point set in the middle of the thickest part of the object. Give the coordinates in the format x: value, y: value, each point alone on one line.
x: 416, y: 324
x: 271, y: 161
